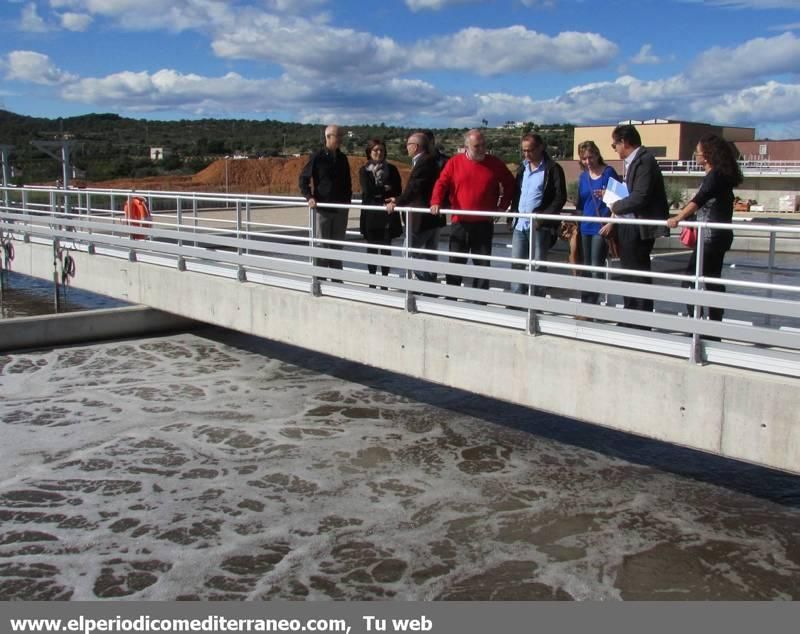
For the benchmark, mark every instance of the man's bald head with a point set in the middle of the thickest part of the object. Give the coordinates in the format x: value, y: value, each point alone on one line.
x: 333, y: 137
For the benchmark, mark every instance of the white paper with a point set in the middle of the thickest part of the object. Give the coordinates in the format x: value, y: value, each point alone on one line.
x: 615, y: 191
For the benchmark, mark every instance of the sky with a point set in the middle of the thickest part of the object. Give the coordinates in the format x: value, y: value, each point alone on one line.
x: 427, y: 63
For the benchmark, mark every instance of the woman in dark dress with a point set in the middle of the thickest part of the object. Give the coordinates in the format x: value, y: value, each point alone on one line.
x: 380, y: 181
x: 713, y: 202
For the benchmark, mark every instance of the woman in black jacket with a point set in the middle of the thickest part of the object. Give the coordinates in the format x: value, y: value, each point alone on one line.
x: 713, y: 202
x: 380, y: 181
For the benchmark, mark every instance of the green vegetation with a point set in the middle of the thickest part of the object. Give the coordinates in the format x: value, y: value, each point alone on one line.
x: 109, y: 146
x: 676, y: 194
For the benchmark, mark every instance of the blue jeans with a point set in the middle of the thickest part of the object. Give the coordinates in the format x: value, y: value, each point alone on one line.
x: 595, y: 251
x: 520, y: 248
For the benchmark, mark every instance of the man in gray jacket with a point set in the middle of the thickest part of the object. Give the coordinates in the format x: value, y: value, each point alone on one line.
x: 647, y: 200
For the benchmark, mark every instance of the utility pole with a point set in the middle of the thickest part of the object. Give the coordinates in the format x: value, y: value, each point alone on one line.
x: 5, y: 154
x: 64, y: 159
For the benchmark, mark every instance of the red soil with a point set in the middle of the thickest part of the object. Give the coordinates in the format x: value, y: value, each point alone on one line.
x: 250, y: 176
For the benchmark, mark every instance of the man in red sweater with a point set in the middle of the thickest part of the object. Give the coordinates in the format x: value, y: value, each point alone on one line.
x: 474, y: 181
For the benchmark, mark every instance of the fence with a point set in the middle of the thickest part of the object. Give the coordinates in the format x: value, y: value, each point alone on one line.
x: 750, y: 167
x: 270, y: 240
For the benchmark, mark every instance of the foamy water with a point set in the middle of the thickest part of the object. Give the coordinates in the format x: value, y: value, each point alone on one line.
x: 193, y: 467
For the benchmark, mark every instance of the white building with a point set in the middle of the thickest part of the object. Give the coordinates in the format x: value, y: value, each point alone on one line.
x: 158, y: 153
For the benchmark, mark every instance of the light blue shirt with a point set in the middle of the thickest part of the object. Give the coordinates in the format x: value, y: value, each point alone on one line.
x: 626, y: 164
x: 530, y: 196
x: 629, y: 159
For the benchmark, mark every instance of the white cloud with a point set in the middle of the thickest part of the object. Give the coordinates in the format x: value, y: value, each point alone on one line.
x: 167, y: 89
x: 33, y: 67
x: 293, y: 6
x: 75, y: 21
x: 31, y: 21
x: 753, y: 4
x: 307, y: 47
x: 759, y: 57
x: 773, y: 101
x: 646, y: 56
x: 514, y: 49
x: 434, y: 5
x: 172, y: 15
x: 794, y: 26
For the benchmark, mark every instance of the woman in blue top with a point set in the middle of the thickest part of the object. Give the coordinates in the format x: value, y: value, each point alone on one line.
x: 591, y: 184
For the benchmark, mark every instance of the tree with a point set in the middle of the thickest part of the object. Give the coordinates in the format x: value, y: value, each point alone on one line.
x: 172, y: 161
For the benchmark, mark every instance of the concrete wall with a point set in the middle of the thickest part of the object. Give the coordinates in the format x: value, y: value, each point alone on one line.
x: 741, y: 414
x: 91, y: 325
x: 782, y: 150
x: 678, y: 137
x: 767, y: 190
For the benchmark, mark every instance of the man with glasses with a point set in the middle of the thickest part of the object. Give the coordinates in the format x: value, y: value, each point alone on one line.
x: 474, y: 181
x: 326, y: 179
x: 647, y: 200
x: 540, y: 188
x: 417, y: 193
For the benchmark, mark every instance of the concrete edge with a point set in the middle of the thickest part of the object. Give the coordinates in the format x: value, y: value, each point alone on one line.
x: 45, y: 331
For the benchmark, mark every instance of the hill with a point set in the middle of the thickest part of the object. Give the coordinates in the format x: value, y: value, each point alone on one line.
x: 107, y: 146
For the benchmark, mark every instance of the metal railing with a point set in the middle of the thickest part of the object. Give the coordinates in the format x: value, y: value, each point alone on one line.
x: 750, y: 167
x: 243, y: 237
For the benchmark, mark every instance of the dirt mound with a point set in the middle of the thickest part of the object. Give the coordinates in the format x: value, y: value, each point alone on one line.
x: 243, y: 176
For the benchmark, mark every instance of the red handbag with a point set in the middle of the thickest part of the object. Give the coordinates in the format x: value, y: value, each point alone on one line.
x: 689, y: 237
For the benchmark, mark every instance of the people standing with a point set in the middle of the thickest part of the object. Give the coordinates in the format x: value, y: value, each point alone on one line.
x: 647, y: 200
x: 591, y: 185
x: 326, y: 179
x: 540, y: 188
x: 474, y: 181
x: 713, y: 202
x: 380, y: 181
x: 417, y: 193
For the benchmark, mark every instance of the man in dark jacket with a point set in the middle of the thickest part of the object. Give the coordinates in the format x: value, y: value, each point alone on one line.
x: 647, y: 199
x: 326, y: 179
x: 540, y: 188
x: 417, y: 193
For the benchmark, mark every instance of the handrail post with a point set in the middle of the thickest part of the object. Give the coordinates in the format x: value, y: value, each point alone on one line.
x: 178, y: 218
x: 532, y: 320
x: 695, y: 352
x: 194, y: 217
x: 238, y: 225
x: 411, y: 301
x: 312, y: 231
x: 111, y: 211
x: 770, y: 269
x: 247, y: 222
x: 89, y: 210
x: 55, y: 275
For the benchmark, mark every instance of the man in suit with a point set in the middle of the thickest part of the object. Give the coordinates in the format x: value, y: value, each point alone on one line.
x: 326, y: 179
x: 647, y: 200
x: 417, y: 193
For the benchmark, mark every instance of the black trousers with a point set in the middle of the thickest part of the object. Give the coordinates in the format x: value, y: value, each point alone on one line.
x: 713, y: 256
x: 475, y: 238
x: 378, y: 235
x: 635, y: 254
